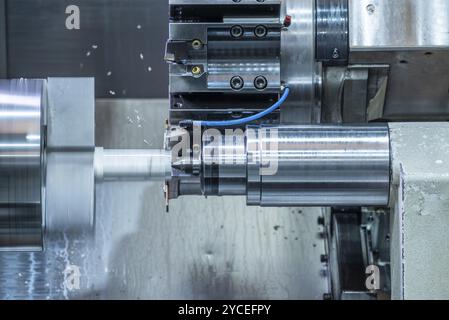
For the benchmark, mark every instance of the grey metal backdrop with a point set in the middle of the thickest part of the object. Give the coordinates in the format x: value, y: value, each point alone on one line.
x: 120, y: 42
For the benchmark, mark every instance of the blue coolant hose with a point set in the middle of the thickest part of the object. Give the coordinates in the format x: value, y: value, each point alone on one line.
x: 238, y: 122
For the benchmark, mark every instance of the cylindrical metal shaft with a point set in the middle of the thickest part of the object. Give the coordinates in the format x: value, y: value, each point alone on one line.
x: 302, y: 166
x: 132, y: 164
x: 319, y: 166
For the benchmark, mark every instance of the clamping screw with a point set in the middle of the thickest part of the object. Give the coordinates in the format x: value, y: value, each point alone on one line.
x: 196, y: 70
x: 237, y: 32
x: 197, y: 44
x: 237, y: 83
x: 260, y: 31
x: 260, y: 83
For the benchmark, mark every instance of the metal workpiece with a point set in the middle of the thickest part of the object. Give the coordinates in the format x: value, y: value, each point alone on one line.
x: 129, y: 165
x: 21, y: 163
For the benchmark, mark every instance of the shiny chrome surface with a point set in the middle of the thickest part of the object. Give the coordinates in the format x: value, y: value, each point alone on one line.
x: 298, y: 67
x: 284, y: 166
x: 386, y: 24
x: 224, y: 163
x: 132, y: 164
x: 320, y: 166
x: 20, y: 164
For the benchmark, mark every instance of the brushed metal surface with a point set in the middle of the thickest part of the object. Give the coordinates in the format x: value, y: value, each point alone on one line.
x: 298, y: 68
x: 288, y: 166
x: 132, y: 165
x: 70, y: 146
x: 319, y: 166
x: 398, y: 24
x: 20, y: 164
x: 214, y: 248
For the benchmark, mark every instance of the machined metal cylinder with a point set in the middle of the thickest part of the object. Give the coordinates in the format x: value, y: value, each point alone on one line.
x: 302, y: 166
x: 319, y: 166
x: 132, y: 164
x: 21, y: 164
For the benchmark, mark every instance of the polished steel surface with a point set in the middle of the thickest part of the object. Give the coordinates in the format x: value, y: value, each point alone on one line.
x: 399, y: 24
x: 299, y: 69
x: 319, y: 166
x: 282, y: 166
x: 132, y: 164
x: 20, y: 164
x: 70, y: 183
